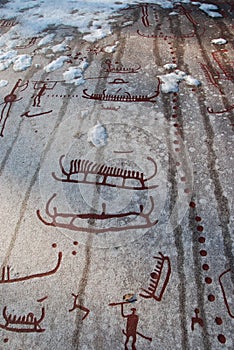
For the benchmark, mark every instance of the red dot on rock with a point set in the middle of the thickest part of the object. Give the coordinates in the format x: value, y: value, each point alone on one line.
x: 200, y: 228
x: 5, y: 340
x: 221, y: 338
x: 74, y: 252
x: 174, y: 115
x: 203, y: 253
x: 154, y: 275
x: 176, y: 142
x: 201, y: 239
x: 205, y: 267
x: 54, y: 245
x: 177, y: 163
x: 192, y: 204
x: 187, y: 190
x: 177, y: 149
x: 75, y: 243
x: 198, y: 218
x: 218, y: 320
x: 211, y: 297
x: 208, y: 280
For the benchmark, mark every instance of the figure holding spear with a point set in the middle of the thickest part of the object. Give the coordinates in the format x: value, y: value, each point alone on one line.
x: 131, y: 327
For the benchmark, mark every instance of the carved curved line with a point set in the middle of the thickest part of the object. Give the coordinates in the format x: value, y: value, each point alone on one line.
x: 43, y: 220
x: 210, y: 110
x: 108, y: 229
x: 37, y: 275
x: 22, y: 330
x: 224, y: 294
x: 26, y: 114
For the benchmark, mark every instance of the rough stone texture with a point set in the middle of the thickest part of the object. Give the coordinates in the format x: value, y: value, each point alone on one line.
x: 168, y: 238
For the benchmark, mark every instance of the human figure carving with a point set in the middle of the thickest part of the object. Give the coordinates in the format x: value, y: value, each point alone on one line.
x: 131, y: 327
x: 196, y: 319
x: 77, y: 306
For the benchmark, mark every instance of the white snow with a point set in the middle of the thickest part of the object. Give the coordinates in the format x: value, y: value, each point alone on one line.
x: 74, y: 75
x: 170, y: 81
x: 22, y: 62
x: 110, y: 49
x: 3, y: 83
x: 189, y: 80
x: 7, y: 58
x: 210, y: 9
x: 46, y: 40
x: 59, y: 47
x: 219, y: 41
x: 56, y: 64
x: 98, y: 135
x: 93, y: 19
x: 169, y: 66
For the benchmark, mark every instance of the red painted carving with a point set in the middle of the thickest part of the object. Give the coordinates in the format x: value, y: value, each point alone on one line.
x: 211, y: 77
x: 7, y: 23
x: 42, y: 87
x: 72, y: 58
x: 196, y: 320
x: 80, y: 307
x: 192, y: 34
x: 145, y: 15
x: 126, y: 97
x: 95, y: 50
x: 26, y: 324
x: 85, y: 167
x: 228, y: 109
x: 29, y: 44
x: 229, y: 73
x: 119, y: 68
x: 118, y: 81
x: 131, y: 327
x: 186, y: 13
x: 6, y: 273
x: 59, y: 217
x: 228, y: 303
x: 214, y: 76
x: 26, y: 114
x: 159, y: 279
x: 8, y: 101
x: 42, y: 299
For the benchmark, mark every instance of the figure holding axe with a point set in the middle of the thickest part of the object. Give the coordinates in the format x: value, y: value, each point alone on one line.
x: 131, y: 328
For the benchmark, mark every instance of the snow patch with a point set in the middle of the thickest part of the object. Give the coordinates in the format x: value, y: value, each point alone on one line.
x: 170, y: 81
x: 3, y: 83
x: 74, y: 75
x: 110, y: 49
x: 7, y: 58
x: 22, y: 62
x: 169, y: 66
x: 219, y: 41
x: 98, y: 135
x: 210, y: 9
x: 46, y: 40
x: 56, y: 64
